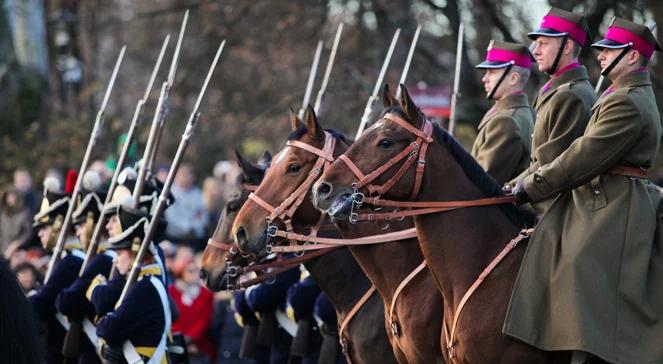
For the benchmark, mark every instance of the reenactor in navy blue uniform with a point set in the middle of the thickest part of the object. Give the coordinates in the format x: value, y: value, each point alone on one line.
x: 300, y: 302
x: 247, y: 319
x: 103, y: 292
x: 265, y: 299
x: 72, y: 301
x: 48, y: 221
x: 143, y: 318
x: 325, y: 315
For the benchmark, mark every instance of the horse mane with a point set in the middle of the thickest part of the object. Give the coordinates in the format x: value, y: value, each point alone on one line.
x: 474, y: 172
x: 301, y: 130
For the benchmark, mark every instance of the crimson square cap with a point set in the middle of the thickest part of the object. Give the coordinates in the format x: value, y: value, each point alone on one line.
x: 503, y: 54
x: 559, y: 23
x: 623, y: 33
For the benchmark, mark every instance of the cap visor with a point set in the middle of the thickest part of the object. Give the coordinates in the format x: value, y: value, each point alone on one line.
x: 492, y: 64
x: 546, y: 32
x: 608, y: 43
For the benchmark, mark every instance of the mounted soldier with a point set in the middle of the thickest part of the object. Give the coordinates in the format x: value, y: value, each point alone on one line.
x: 588, y: 281
x: 48, y: 221
x: 503, y: 144
x: 563, y: 105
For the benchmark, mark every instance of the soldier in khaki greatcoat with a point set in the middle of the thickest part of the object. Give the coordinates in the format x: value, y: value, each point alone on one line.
x: 503, y: 144
x: 590, y: 279
x: 563, y: 105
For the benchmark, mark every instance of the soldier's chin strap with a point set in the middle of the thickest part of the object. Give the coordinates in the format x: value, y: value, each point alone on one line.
x: 499, y: 82
x: 555, y: 64
x: 615, y: 61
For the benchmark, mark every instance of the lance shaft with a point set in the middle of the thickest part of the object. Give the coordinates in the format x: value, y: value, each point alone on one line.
x: 163, y: 197
x: 371, y: 100
x: 135, y: 121
x: 96, y: 131
x: 159, y: 117
x: 456, y: 95
x: 311, y: 80
x: 408, y: 60
x: 330, y: 65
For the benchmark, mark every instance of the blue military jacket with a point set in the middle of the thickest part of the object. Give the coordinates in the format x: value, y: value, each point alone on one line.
x: 139, y: 319
x: 62, y: 276
x: 72, y: 301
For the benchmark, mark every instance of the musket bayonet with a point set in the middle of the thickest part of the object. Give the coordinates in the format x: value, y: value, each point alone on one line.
x: 408, y: 60
x: 135, y: 122
x: 159, y: 117
x: 330, y: 65
x: 374, y: 96
x: 311, y: 80
x: 456, y: 95
x: 163, y: 197
x: 96, y: 133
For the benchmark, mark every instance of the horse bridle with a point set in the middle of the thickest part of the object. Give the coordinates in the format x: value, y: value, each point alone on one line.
x: 286, y: 210
x: 414, y: 151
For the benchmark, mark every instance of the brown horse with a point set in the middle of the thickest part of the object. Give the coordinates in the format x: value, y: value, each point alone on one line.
x: 214, y: 267
x: 457, y: 244
x: 337, y: 273
x: 415, y: 333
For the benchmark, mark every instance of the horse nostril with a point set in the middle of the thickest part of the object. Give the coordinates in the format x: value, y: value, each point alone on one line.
x: 324, y: 189
x: 240, y: 237
x: 203, y: 274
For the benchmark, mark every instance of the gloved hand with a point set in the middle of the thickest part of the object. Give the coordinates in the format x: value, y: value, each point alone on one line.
x: 519, y: 192
x: 112, y: 353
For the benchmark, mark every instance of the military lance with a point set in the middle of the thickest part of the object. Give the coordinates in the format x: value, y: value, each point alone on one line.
x: 408, y: 60
x: 374, y: 96
x: 96, y: 133
x: 311, y: 79
x: 455, y: 95
x: 135, y: 122
x: 163, y: 197
x: 159, y: 118
x: 330, y: 65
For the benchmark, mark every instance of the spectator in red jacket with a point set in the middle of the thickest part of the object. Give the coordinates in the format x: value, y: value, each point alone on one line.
x: 195, y: 304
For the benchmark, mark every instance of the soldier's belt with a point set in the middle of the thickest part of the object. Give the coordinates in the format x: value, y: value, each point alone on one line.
x: 628, y: 171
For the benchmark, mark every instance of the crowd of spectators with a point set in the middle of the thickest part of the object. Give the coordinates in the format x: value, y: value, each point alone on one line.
x: 206, y: 319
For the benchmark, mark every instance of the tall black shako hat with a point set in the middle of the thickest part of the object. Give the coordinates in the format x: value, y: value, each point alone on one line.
x: 55, y: 203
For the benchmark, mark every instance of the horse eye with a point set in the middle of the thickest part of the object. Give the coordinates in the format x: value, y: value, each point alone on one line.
x: 233, y: 206
x: 385, y: 143
x: 294, y: 168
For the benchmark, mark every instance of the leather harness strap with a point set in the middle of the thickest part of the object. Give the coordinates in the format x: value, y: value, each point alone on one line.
x: 410, y: 233
x: 351, y: 314
x: 451, y: 335
x: 393, y: 322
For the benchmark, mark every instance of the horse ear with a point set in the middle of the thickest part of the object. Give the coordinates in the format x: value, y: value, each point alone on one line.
x: 295, y: 123
x: 311, y: 122
x: 265, y: 159
x: 387, y: 99
x: 411, y: 110
x: 249, y: 170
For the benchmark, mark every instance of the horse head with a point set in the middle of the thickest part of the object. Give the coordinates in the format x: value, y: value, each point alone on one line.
x: 282, y: 200
x: 218, y: 261
x: 381, y: 163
